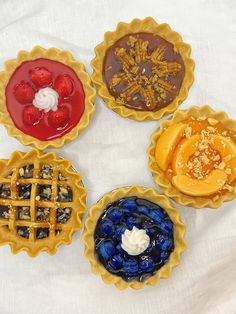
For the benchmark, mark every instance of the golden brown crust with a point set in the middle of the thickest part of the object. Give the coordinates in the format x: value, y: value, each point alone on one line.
x: 60, y: 56
x: 159, y: 176
x: 146, y: 25
x: 50, y: 244
x: 153, y: 196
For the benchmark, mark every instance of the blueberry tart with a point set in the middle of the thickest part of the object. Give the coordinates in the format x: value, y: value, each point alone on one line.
x: 42, y: 201
x: 193, y: 157
x: 143, y: 70
x: 133, y: 237
x: 46, y: 98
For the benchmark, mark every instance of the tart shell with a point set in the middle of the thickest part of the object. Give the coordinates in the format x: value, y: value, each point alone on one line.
x: 159, y: 176
x: 90, y: 225
x: 148, y: 25
x: 33, y: 248
x: 64, y: 57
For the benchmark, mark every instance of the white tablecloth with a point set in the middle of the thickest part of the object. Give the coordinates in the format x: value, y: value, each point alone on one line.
x: 112, y: 153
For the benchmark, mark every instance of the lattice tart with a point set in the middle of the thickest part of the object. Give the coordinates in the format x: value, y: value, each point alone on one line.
x: 143, y: 69
x: 42, y: 201
x: 46, y: 97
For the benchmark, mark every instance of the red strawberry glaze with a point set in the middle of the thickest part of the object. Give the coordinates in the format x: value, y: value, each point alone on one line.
x: 43, y: 130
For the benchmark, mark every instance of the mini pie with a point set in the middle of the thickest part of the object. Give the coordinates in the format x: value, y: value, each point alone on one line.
x: 133, y: 237
x: 42, y: 201
x: 193, y: 157
x: 46, y: 98
x: 143, y: 70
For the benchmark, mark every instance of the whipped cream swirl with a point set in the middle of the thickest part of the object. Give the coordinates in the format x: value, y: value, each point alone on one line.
x: 135, y: 241
x: 46, y: 99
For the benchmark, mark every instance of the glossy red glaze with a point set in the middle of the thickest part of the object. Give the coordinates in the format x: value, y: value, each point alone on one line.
x: 42, y: 130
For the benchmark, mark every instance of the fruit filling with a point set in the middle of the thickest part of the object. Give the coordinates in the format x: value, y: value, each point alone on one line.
x: 133, y: 238
x: 26, y: 171
x: 44, y: 192
x: 63, y: 214
x: 45, y: 99
x: 43, y: 214
x: 65, y: 194
x: 198, y: 156
x: 5, y: 190
x: 4, y: 212
x: 24, y: 213
x: 23, y: 232
x: 24, y: 191
x: 46, y: 172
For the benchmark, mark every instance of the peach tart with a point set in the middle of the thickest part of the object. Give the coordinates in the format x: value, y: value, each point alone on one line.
x: 193, y: 157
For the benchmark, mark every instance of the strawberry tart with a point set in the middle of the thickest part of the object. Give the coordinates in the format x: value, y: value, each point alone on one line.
x: 46, y: 97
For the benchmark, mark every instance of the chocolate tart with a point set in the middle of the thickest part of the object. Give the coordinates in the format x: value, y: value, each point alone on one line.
x: 133, y: 237
x: 46, y: 98
x: 143, y: 69
x: 192, y: 157
x: 42, y: 202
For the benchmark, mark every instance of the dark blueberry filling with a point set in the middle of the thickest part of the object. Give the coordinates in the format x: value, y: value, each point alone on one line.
x: 46, y: 172
x: 65, y: 194
x: 63, y: 214
x: 5, y: 191
x: 44, y: 192
x: 24, y: 213
x: 25, y: 191
x: 43, y: 214
x: 42, y: 233
x: 23, y: 232
x: 26, y: 171
x: 61, y: 177
x: 4, y: 212
x: 125, y: 214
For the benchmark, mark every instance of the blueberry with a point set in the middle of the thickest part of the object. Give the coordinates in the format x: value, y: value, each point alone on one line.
x: 143, y: 210
x: 131, y: 267
x: 129, y: 205
x: 165, y: 243
x: 115, y: 214
x: 166, y: 227
x: 119, y: 231
x: 133, y: 222
x: 106, y: 249
x: 147, y: 264
x: 150, y: 230
x: 106, y: 228
x: 116, y: 262
x: 119, y: 248
x: 149, y: 248
x: 156, y: 215
x: 164, y: 255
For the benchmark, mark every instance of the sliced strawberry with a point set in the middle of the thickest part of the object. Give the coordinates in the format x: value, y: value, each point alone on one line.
x: 41, y: 77
x: 63, y: 85
x: 59, y: 118
x: 24, y: 92
x: 31, y: 115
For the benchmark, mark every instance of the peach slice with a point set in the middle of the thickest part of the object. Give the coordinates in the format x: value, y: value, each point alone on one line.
x: 224, y: 145
x: 166, y: 144
x: 185, y: 150
x: 227, y: 149
x: 205, y: 187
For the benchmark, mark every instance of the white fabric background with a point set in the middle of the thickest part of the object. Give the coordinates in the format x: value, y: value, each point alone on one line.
x: 112, y: 153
